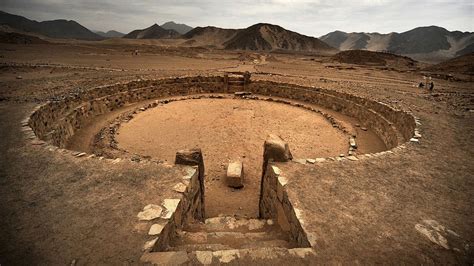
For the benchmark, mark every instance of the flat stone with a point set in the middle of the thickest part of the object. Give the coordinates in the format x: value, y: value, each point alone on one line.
x: 414, y: 140
x: 311, y: 161
x: 170, y: 206
x: 364, y: 128
x: 81, y: 154
x: 150, y: 244
x: 352, y: 158
x: 320, y: 160
x: 254, y: 224
x: 226, y: 256
x: 433, y: 235
x: 282, y: 180
x: 235, y: 175
x: 277, y: 149
x: 155, y: 229
x: 276, y: 170
x: 302, y: 252
x: 300, y: 161
x: 150, y: 212
x: 37, y: 142
x: 190, y: 171
x: 204, y: 257
x: 180, y: 187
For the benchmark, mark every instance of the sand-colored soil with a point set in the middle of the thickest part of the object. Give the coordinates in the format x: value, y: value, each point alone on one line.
x: 227, y: 130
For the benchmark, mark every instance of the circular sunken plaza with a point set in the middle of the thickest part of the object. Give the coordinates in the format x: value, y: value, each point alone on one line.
x: 228, y: 167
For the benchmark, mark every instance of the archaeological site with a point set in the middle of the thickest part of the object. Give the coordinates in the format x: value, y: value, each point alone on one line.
x: 174, y: 145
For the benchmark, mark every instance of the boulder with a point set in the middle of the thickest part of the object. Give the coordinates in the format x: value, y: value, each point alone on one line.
x: 235, y: 175
x: 277, y: 149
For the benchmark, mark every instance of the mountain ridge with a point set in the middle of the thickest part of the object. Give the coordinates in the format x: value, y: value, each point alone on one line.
x: 110, y: 34
x: 419, y: 42
x: 59, y: 28
x: 152, y: 32
x: 178, y: 27
x: 260, y: 36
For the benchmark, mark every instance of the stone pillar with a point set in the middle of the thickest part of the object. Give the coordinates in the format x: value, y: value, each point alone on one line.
x: 194, y: 157
x: 274, y: 149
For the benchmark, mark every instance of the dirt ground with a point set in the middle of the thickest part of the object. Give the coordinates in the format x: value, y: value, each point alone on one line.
x: 56, y: 209
x: 229, y: 130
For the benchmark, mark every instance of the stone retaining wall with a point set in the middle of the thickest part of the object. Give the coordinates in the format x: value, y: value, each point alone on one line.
x: 189, y: 208
x: 275, y: 204
x: 57, y: 121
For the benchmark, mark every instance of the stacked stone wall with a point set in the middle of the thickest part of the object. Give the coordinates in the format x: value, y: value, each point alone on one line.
x: 58, y: 121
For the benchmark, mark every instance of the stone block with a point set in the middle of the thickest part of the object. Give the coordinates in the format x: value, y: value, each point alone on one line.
x: 165, y: 258
x: 235, y: 175
x: 277, y: 149
x: 282, y: 181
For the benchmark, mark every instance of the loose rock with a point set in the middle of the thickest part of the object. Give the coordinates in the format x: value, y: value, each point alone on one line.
x: 150, y: 212
x: 155, y: 229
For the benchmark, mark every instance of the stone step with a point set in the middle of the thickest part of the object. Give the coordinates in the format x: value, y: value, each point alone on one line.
x: 203, y: 247
x: 276, y: 243
x: 235, y: 240
x: 231, y: 224
x: 254, y: 256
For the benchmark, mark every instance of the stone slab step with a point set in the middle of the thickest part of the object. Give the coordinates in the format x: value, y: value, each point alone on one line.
x: 235, y: 240
x: 231, y: 224
x: 204, y: 247
x: 256, y: 256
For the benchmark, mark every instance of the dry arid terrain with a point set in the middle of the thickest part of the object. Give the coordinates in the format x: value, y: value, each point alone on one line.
x: 63, y: 208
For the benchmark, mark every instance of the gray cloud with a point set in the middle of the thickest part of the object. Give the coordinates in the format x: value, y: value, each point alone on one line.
x: 308, y: 17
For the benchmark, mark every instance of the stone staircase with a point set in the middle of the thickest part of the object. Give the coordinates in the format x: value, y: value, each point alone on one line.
x: 224, y: 233
x: 221, y: 240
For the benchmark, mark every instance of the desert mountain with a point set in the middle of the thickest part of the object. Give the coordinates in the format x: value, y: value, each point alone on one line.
x: 152, y: 32
x: 463, y: 64
x: 65, y: 29
x: 422, y: 42
x: 364, y: 57
x: 209, y: 36
x: 110, y: 34
x: 260, y: 36
x: 180, y: 28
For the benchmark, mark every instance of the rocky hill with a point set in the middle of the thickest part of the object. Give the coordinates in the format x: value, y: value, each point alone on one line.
x: 261, y: 37
x: 110, y: 34
x: 364, y: 57
x: 209, y: 36
x: 423, y: 42
x: 179, y: 28
x: 18, y: 38
x: 152, y: 32
x: 463, y: 64
x: 63, y: 29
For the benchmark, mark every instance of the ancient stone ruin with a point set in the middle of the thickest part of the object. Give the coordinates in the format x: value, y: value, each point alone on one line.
x: 181, y: 232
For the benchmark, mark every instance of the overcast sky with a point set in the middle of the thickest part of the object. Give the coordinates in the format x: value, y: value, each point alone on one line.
x: 313, y: 18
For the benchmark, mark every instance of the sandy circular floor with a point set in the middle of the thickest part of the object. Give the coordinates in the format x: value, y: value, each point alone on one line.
x: 227, y: 130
